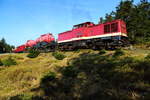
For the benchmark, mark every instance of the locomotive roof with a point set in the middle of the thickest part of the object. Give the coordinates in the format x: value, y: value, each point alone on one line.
x: 20, y: 45
x: 113, y: 21
x: 47, y: 34
x: 91, y: 24
x: 30, y: 40
x: 83, y: 23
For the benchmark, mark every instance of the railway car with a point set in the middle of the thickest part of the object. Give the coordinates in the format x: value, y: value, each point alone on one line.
x: 88, y: 35
x: 45, y: 42
x: 30, y: 43
x: 20, y: 49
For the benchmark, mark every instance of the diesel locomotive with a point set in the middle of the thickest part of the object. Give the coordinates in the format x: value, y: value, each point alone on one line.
x: 88, y: 35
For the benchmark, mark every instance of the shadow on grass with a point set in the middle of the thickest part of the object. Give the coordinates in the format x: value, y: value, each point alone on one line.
x: 95, y: 77
x: 26, y: 97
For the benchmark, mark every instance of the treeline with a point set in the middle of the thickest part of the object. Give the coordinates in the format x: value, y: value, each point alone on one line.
x: 4, y: 47
x: 137, y: 18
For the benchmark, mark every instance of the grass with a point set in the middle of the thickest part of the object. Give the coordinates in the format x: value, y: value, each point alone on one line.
x: 27, y: 74
x: 25, y: 77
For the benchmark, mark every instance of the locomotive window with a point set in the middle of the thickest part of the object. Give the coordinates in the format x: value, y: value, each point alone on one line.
x: 114, y: 27
x: 123, y: 26
x: 107, y: 28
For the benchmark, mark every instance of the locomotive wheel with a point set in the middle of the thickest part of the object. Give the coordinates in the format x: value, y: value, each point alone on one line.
x: 94, y: 47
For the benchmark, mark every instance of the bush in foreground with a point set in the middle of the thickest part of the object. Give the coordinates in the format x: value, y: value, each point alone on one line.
x: 9, y: 61
x: 33, y: 54
x: 118, y: 52
x: 102, y: 52
x: 1, y: 64
x: 147, y: 57
x: 69, y: 71
x: 48, y: 77
x: 58, y: 56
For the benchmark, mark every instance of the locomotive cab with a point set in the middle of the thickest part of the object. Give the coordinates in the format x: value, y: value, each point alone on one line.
x: 86, y: 24
x: 118, y: 28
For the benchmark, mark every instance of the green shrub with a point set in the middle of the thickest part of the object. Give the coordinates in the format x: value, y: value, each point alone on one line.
x: 1, y: 64
x: 9, y: 61
x: 48, y: 77
x: 148, y: 56
x: 77, y: 51
x: 58, y: 55
x: 33, y: 54
x: 118, y: 52
x: 69, y: 71
x: 102, y: 52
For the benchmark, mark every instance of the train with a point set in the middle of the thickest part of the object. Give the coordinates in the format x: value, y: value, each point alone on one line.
x: 87, y: 35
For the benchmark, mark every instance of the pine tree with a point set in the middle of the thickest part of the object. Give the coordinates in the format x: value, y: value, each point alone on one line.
x: 126, y: 11
x: 101, y: 20
x: 109, y: 17
x: 123, y: 10
x: 144, y: 18
x: 137, y: 18
x: 4, y: 47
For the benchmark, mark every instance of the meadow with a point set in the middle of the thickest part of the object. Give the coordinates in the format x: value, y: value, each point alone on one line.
x: 80, y: 75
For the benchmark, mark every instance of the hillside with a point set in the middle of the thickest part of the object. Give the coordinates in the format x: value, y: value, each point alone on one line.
x: 82, y: 75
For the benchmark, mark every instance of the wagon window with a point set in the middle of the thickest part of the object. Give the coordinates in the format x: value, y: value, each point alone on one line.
x: 107, y: 28
x: 114, y: 27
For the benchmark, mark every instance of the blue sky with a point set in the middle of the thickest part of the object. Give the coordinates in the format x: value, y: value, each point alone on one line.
x: 22, y: 20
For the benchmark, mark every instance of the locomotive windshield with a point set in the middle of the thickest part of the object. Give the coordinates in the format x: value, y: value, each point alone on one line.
x: 111, y: 28
x: 114, y: 27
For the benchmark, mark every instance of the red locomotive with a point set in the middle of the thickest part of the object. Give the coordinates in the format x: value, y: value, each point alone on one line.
x: 20, y: 49
x: 45, y: 42
x: 30, y: 43
x: 89, y: 35
x: 85, y: 35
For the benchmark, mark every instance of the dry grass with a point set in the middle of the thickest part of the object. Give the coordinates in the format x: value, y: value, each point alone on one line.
x: 27, y: 74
